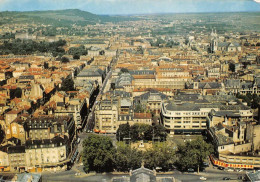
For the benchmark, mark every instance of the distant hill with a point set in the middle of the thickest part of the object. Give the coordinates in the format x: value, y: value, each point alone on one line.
x: 58, y: 17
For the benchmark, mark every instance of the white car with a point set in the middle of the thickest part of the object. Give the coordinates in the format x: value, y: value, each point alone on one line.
x: 203, y: 178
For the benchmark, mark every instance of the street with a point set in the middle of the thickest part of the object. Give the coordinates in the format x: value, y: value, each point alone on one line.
x: 91, y: 117
x: 210, y: 173
x: 90, y: 123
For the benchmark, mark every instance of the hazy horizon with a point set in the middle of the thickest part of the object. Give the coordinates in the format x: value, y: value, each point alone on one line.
x: 134, y: 7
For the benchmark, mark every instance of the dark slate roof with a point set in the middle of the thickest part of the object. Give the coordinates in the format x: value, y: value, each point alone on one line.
x: 194, y: 102
x: 90, y: 72
x: 60, y: 104
x: 57, y: 141
x: 120, y: 93
x: 257, y: 81
x: 124, y: 79
x: 142, y: 72
x: 227, y: 113
x: 31, y: 77
x: 187, y: 97
x: 223, y: 44
x: 143, y: 170
x: 7, y: 177
x: 16, y: 149
x: 246, y: 85
x: 149, y: 95
x: 207, y: 85
x: 227, y: 44
x: 232, y: 83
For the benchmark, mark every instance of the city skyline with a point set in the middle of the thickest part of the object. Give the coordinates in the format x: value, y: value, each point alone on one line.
x: 123, y: 7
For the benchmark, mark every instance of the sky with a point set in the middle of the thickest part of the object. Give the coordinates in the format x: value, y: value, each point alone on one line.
x: 120, y: 7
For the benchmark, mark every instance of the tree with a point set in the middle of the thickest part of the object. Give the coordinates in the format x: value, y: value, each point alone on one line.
x: 16, y: 93
x: 76, y: 56
x: 65, y: 60
x: 160, y: 155
x: 140, y: 131
x: 127, y: 158
x: 255, y: 101
x: 160, y: 131
x: 53, y: 68
x: 2, y: 134
x: 186, y: 41
x: 98, y: 152
x: 193, y: 153
x: 19, y: 47
x: 232, y: 67
x: 124, y: 70
x: 123, y: 131
x: 140, y: 50
x: 78, y: 51
x: 46, y: 65
x: 67, y: 84
x: 248, y: 99
x: 139, y: 108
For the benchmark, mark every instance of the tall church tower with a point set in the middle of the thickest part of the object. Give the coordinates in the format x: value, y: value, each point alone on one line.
x: 213, y: 41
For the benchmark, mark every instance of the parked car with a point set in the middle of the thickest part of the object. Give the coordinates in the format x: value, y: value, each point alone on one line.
x: 226, y: 178
x: 190, y: 170
x: 205, y: 164
x: 221, y: 168
x: 230, y: 170
x: 203, y: 178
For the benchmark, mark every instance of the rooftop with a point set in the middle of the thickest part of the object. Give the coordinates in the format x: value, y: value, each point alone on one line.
x: 195, y: 102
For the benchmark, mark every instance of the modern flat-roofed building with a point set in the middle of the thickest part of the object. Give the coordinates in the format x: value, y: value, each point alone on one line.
x: 188, y: 113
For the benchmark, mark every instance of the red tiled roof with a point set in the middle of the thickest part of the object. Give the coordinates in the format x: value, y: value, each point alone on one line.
x: 17, y: 100
x: 48, y: 90
x: 13, y: 112
x: 142, y: 115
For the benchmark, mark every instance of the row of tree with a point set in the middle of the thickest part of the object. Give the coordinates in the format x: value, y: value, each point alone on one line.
x: 251, y: 100
x: 78, y: 51
x: 138, y: 132
x: 100, y: 155
x: 193, y: 154
x: 26, y: 47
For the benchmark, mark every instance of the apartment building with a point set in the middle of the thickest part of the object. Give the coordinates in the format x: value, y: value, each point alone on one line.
x: 188, y: 113
x: 115, y: 108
